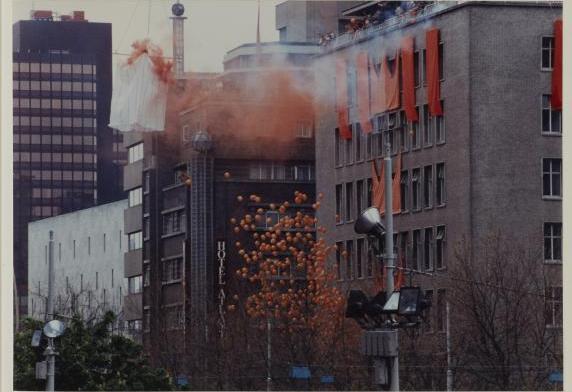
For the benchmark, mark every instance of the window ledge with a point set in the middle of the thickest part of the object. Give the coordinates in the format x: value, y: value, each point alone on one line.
x: 427, y: 208
x: 440, y: 143
x: 551, y: 134
x: 164, y: 236
x: 404, y: 212
x: 552, y: 198
x: 441, y: 205
x: 542, y: 69
x: 169, y: 282
x: 416, y: 210
x: 553, y: 262
x: 428, y: 145
x: 417, y: 148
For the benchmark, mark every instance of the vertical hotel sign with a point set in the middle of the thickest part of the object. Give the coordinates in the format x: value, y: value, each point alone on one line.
x: 221, y: 258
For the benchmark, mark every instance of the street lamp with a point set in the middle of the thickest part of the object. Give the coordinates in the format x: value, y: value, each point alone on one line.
x: 52, y: 330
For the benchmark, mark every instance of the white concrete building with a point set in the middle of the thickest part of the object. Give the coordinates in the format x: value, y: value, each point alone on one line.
x: 88, y: 261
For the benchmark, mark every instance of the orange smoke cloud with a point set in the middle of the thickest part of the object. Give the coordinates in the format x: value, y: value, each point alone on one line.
x: 161, y: 67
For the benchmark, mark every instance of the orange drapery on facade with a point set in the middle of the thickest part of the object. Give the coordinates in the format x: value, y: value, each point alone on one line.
x: 377, y: 90
x: 408, y: 77
x: 556, y: 98
x: 378, y: 187
x: 391, y: 83
x: 433, y: 77
x: 342, y: 99
x: 363, y: 91
x: 396, y: 186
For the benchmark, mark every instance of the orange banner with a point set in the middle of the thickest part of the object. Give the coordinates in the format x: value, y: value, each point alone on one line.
x: 556, y: 98
x: 408, y: 75
x: 391, y: 83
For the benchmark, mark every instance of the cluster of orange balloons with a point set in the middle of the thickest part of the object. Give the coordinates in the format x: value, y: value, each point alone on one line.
x: 287, y: 260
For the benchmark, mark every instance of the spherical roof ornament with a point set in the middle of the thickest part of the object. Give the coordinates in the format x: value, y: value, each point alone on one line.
x: 178, y: 9
x: 201, y: 141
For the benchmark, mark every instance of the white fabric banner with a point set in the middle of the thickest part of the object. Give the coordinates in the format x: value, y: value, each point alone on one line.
x: 139, y: 98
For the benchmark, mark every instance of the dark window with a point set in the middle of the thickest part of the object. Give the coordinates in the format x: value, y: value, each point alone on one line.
x: 404, y: 190
x: 428, y: 249
x: 551, y: 177
x: 338, y: 148
x: 416, y: 250
x: 339, y: 203
x: 416, y: 69
x: 349, y: 201
x: 553, y: 306
x: 414, y: 130
x: 440, y: 191
x: 415, y: 189
x: 439, y: 124
x: 172, y: 270
x: 440, y: 247
x: 370, y: 259
x: 135, y: 241
x: 552, y: 242
x: 551, y: 119
x: 427, y: 186
x: 441, y: 310
x: 403, y: 238
x: 359, y: 137
x: 146, y: 275
x: 359, y: 197
x: 359, y: 257
x: 349, y: 149
x: 427, y: 127
x: 547, y: 53
x: 339, y: 250
x: 135, y: 284
x: 369, y: 192
x: 174, y: 222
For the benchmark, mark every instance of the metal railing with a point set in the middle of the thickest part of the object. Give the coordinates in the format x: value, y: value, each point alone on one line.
x: 394, y: 22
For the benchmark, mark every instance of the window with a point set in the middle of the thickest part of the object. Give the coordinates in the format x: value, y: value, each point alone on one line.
x: 414, y: 130
x: 349, y: 259
x: 146, y: 275
x: 359, y: 257
x: 369, y: 191
x: 304, y: 129
x: 174, y: 222
x: 441, y: 310
x: 402, y: 132
x: 349, y: 201
x: 134, y: 284
x: 440, y: 191
x: 135, y: 153
x: 547, y: 53
x: 416, y: 250
x: 135, y: 241
x: 404, y: 190
x: 427, y: 127
x: 403, y: 237
x: 349, y: 149
x: 175, y: 317
x: 370, y: 259
x: 551, y: 119
x: 172, y: 270
x: 359, y: 197
x: 303, y: 172
x: 428, y: 327
x: 271, y: 219
x: 147, y: 319
x: 423, y: 67
x: 135, y: 197
x: 427, y: 249
x: 273, y: 171
x: 551, y: 177
x: 552, y: 242
x: 415, y: 190
x: 338, y: 148
x: 359, y: 137
x: 416, y: 69
x: 439, y: 124
x: 339, y: 203
x: 553, y: 306
x: 427, y: 186
x: 440, y: 247
x: 134, y: 326
x: 339, y: 250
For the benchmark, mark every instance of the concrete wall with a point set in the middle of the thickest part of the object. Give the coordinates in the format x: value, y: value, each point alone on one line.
x: 95, y: 266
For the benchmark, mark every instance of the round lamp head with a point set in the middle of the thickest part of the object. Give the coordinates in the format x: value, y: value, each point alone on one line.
x: 54, y: 328
x: 178, y: 9
x: 369, y: 222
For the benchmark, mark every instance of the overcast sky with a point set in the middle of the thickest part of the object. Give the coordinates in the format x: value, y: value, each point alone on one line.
x: 213, y: 27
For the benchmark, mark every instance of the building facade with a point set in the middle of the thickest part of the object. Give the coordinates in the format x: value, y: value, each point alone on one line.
x: 490, y: 163
x: 65, y: 156
x: 88, y: 248
x: 187, y: 180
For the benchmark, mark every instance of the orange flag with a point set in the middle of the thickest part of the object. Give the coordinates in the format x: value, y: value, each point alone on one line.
x: 377, y: 92
x: 556, y: 99
x: 391, y: 82
x: 396, y: 186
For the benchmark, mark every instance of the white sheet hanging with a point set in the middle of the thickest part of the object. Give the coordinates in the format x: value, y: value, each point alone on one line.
x: 139, y: 98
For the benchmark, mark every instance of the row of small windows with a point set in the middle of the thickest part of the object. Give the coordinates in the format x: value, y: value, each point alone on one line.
x: 172, y: 270
x: 419, y: 249
x: 66, y: 175
x: 54, y: 67
x: 390, y: 128
x: 412, y: 196
x: 46, y: 103
x: 135, y: 153
x: 174, y: 222
x: 54, y: 139
x: 47, y: 157
x: 49, y: 121
x: 53, y: 85
x: 275, y: 171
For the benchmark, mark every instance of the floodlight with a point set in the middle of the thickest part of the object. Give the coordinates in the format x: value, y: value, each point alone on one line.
x: 54, y: 328
x: 392, y: 304
x: 369, y: 222
x: 357, y: 302
x: 409, y: 301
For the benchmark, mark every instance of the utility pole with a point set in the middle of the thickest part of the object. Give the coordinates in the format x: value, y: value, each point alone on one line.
x: 50, y: 352
x: 449, y: 369
x: 268, y: 353
x: 390, y: 257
